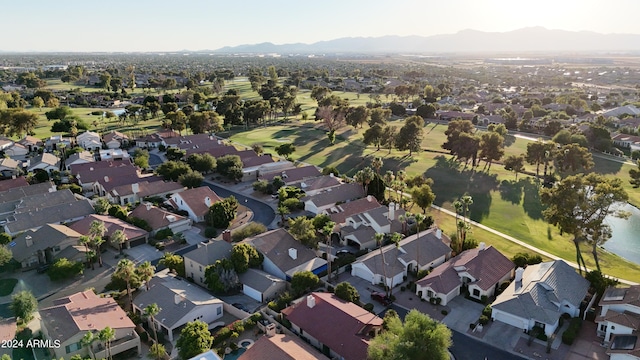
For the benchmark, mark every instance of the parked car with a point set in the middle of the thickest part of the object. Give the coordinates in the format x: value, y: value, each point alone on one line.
x: 382, y: 298
x: 42, y: 268
x: 240, y: 306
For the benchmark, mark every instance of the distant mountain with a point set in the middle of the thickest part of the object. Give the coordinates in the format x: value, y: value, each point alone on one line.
x: 533, y: 39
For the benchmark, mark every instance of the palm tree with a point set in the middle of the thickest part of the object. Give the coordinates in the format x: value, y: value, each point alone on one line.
x: 96, y: 243
x: 327, y: 230
x: 419, y: 220
x: 466, y: 200
x: 86, y: 241
x: 106, y: 335
x: 376, y: 163
x: 388, y: 180
x: 97, y: 229
x: 126, y: 270
x: 145, y: 272
x: 118, y: 237
x: 282, y: 211
x: 151, y: 311
x: 87, y: 340
x: 364, y: 177
x: 379, y: 237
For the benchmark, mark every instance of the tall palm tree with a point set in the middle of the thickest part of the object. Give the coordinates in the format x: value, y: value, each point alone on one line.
x: 364, y: 177
x: 388, y: 180
x: 118, y: 237
x: 106, y: 335
x: 87, y: 340
x: 151, y: 311
x: 126, y: 270
x: 467, y: 201
x: 379, y: 237
x: 419, y: 221
x: 327, y: 230
x: 377, y: 163
x: 86, y: 241
x: 145, y: 272
x: 97, y: 229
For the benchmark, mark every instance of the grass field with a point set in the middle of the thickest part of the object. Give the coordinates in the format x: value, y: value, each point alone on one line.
x: 500, y: 202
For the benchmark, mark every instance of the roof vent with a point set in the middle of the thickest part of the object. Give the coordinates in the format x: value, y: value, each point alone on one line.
x: 293, y: 253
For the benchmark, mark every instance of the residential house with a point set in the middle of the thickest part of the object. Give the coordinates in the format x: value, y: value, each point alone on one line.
x: 151, y: 141
x: 13, y: 183
x: 421, y: 251
x: 251, y: 166
x: 159, y: 219
x: 341, y: 329
x: 70, y: 318
x: 16, y: 149
x: 622, y: 110
x: 341, y: 212
x: 290, y: 176
x: 89, y: 140
x: 539, y: 295
x: 83, y: 157
x: 102, y: 176
x: 197, y: 260
x: 624, y: 347
x: 281, y: 347
x: 261, y: 286
x: 619, y: 312
x: 195, y: 202
x: 114, y: 154
x: 132, y: 193
x: 45, y: 162
x: 357, y: 228
x: 481, y: 271
x: 115, y: 139
x: 53, y: 142
x: 9, y: 167
x: 31, y: 143
x: 34, y: 211
x: 135, y: 235
x: 284, y: 255
x: 630, y: 142
x: 312, y: 186
x: 322, y: 202
x: 44, y: 246
x: 180, y: 302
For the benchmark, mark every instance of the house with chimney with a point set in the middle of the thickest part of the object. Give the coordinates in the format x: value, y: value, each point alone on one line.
x: 196, y: 202
x: 45, y: 245
x: 539, y: 295
x: 102, y: 176
x: 341, y: 329
x: 284, y: 255
x: 205, y: 254
x: 180, y: 302
x: 160, y: 219
x: 358, y: 229
x: 481, y: 271
x: 70, y: 318
x: 421, y: 251
x: 312, y: 186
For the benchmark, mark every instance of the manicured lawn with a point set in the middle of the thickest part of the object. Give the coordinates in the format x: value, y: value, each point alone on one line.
x: 7, y: 285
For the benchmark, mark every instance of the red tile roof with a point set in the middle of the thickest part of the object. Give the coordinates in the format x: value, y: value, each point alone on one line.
x: 350, y: 339
x: 195, y: 199
x: 111, y: 223
x: 281, y: 347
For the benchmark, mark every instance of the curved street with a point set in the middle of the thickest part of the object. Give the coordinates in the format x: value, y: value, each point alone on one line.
x: 262, y: 212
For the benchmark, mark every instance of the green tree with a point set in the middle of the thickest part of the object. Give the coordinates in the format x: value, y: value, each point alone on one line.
x: 173, y: 262
x: 5, y: 255
x: 573, y: 157
x: 221, y: 277
x: 118, y: 238
x: 379, y: 116
x: 304, y: 281
x: 453, y: 132
x: 302, y: 229
x: 282, y: 211
x: 491, y: 147
x: 230, y: 166
x: 141, y: 158
x: 23, y: 305
x: 285, y: 150
x: 37, y: 102
x: 222, y: 213
x: 579, y: 204
x: 107, y: 335
x: 388, y: 137
x: 420, y: 337
x: 538, y: 153
x: 373, y: 136
x: 364, y: 177
x: 175, y: 154
x: 171, y: 170
x: 203, y: 163
x: 191, y: 179
x: 423, y: 196
x: 194, y: 339
x: 157, y: 351
x: 97, y: 230
x: 514, y: 163
x: 410, y: 135
x: 86, y: 341
x: 4, y: 238
x: 245, y: 256
x: 635, y: 175
x: 347, y: 292
x: 357, y: 116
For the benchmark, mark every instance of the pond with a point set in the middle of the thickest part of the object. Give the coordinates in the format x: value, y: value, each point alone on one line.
x: 625, y: 237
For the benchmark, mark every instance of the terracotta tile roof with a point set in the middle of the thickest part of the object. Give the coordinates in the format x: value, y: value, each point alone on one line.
x: 156, y: 217
x: 350, y: 339
x: 111, y: 223
x: 281, y: 347
x: 83, y: 311
x: 195, y: 199
x: 354, y: 207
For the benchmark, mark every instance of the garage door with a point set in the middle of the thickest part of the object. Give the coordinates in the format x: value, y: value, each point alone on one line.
x: 508, y: 319
x: 137, y: 242
x: 362, y: 273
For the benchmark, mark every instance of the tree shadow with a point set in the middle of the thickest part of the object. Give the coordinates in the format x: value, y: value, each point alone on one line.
x: 606, y: 166
x: 509, y: 140
x: 511, y: 191
x: 450, y: 184
x: 531, y: 203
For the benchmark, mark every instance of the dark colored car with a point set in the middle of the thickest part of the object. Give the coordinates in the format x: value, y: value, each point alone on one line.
x: 240, y: 306
x: 382, y: 298
x: 43, y: 268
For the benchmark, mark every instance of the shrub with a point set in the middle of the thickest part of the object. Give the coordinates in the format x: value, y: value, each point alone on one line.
x: 542, y: 336
x: 444, y: 312
x: 438, y: 301
x: 486, y: 311
x: 256, y: 317
x: 402, y: 288
x: 65, y: 269
x: 252, y: 228
x: 572, y: 331
x: 368, y: 307
x: 472, y: 326
x: 484, y: 299
x: 484, y: 320
x: 163, y: 234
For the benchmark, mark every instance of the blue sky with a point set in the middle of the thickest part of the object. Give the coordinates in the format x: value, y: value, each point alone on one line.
x: 160, y: 25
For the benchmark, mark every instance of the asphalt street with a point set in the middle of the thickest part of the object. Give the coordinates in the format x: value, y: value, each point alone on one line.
x: 262, y: 212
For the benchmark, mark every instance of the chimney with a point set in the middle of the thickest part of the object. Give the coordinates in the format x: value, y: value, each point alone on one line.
x: 106, y: 179
x: 226, y: 236
x: 369, y: 198
x: 331, y: 175
x: 148, y: 205
x: 392, y: 211
x: 177, y: 298
x: 29, y: 240
x: 135, y: 188
x: 439, y: 234
x: 207, y: 201
x: 311, y: 301
x: 481, y: 246
x: 270, y: 329
x: 293, y: 253
x: 91, y: 168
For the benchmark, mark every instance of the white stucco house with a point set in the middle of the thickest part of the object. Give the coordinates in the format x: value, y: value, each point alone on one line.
x: 89, y: 140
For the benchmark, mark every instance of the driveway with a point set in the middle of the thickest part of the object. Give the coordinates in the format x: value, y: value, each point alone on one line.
x: 463, y: 312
